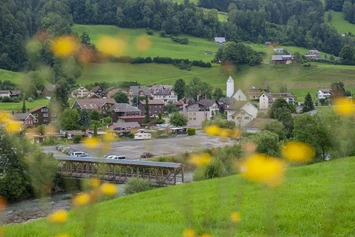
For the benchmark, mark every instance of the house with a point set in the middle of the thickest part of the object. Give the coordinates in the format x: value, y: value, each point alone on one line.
x: 219, y: 40
x: 254, y: 93
x: 200, y: 111
x: 323, y: 93
x: 101, y: 105
x: 122, y: 110
x: 15, y: 93
x: 26, y: 118
x: 42, y: 115
x: 138, y: 91
x: 267, y: 43
x: 279, y: 50
x: 92, y: 95
x: 313, y: 54
x: 98, y: 91
x: 138, y: 119
x: 48, y: 90
x: 164, y: 93
x: 257, y: 125
x: 80, y: 92
x: 281, y: 59
x: 241, y: 112
x: 5, y: 93
x: 266, y: 99
x: 123, y: 128
x: 156, y: 107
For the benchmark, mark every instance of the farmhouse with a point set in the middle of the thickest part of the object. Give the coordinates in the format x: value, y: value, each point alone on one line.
x: 323, y: 93
x: 80, y: 92
x: 281, y: 59
x: 138, y: 91
x: 156, y: 107
x: 26, y: 118
x: 101, y: 105
x: 48, y: 90
x: 200, y: 111
x: 220, y: 40
x: 42, y: 115
x: 313, y: 54
x: 164, y: 93
x: 122, y: 110
x: 266, y: 99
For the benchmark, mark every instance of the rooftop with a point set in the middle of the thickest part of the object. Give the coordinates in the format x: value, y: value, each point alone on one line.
x: 153, y: 102
x: 259, y: 123
x: 94, y: 103
x: 137, y: 89
x: 124, y: 107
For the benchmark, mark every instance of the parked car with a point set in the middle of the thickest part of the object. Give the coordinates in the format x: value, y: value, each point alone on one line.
x: 114, y: 157
x: 142, y: 136
x: 58, y: 147
x: 147, y: 155
x: 78, y: 154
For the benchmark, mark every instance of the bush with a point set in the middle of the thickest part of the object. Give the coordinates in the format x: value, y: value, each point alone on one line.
x: 180, y: 40
x: 214, y: 169
x: 30, y: 99
x: 148, y: 60
x: 6, y: 99
x: 150, y: 32
x: 162, y: 33
x: 16, y: 99
x: 137, y: 185
x: 77, y: 139
x: 191, y: 131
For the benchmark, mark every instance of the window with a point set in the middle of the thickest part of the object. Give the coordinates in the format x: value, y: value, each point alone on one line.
x: 36, y: 115
x: 44, y: 110
x: 190, y: 118
x: 45, y: 115
x: 53, y: 120
x: 194, y: 118
x: 246, y: 118
x: 45, y: 120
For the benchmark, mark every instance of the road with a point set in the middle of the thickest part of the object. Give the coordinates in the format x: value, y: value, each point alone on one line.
x: 160, y: 147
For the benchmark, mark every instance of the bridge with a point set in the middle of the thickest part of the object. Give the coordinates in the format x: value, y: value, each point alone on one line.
x: 120, y: 171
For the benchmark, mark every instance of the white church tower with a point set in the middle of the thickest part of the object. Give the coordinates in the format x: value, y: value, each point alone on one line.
x: 230, y: 87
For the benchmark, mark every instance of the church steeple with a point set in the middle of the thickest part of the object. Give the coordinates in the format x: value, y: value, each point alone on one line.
x: 230, y: 86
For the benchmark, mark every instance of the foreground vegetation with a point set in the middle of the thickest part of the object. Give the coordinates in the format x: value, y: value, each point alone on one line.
x: 314, y: 201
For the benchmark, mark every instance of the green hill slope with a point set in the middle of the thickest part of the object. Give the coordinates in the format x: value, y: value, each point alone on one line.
x: 342, y: 26
x: 316, y: 200
x: 163, y: 47
x: 14, y: 77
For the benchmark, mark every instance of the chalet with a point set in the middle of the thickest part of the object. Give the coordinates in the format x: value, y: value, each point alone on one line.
x: 279, y: 50
x: 281, y: 59
x: 220, y: 40
x: 98, y: 91
x: 267, y: 43
x: 164, y: 93
x: 323, y: 93
x: 26, y: 118
x: 123, y: 110
x: 5, y: 93
x: 156, y: 107
x: 80, y: 92
x: 48, y: 90
x: 313, y: 54
x: 266, y: 99
x: 241, y: 112
x: 42, y: 115
x: 101, y: 105
x: 138, y: 91
x: 15, y: 93
x: 254, y: 93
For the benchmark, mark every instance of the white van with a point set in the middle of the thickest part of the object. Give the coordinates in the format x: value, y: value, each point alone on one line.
x: 142, y: 136
x: 78, y: 154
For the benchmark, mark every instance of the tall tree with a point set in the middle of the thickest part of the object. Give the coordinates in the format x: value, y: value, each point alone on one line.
x: 267, y: 143
x: 24, y: 104
x: 276, y: 127
x: 121, y: 97
x: 347, y: 55
x: 277, y: 104
x: 308, y: 103
x: 60, y: 98
x: 146, y: 111
x: 337, y: 90
x: 179, y: 88
x: 84, y: 120
x: 218, y: 93
x: 178, y: 120
x: 69, y: 119
x: 197, y: 89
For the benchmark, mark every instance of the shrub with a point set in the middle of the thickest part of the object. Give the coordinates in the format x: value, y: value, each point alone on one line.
x: 148, y: 60
x: 180, y: 40
x: 214, y: 169
x: 138, y: 60
x: 150, y: 32
x: 6, y: 99
x: 130, y: 135
x: 137, y: 185
x: 16, y: 99
x: 162, y: 33
x: 191, y: 131
x: 77, y: 139
x: 30, y: 99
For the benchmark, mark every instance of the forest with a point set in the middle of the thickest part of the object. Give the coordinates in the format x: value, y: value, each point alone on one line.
x: 295, y: 22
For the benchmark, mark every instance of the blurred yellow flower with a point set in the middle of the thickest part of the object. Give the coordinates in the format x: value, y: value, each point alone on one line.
x: 143, y: 43
x: 235, y: 217
x: 224, y: 133
x: 212, y: 130
x: 62, y: 235
x: 94, y: 182
x: 249, y: 147
x: 298, y: 152
x: 343, y: 106
x: 111, y: 46
x: 13, y: 126
x: 59, y: 216
x: 189, y: 233
x: 64, y: 46
x: 91, y: 142
x: 4, y: 117
x: 200, y: 160
x: 50, y: 129
x: 81, y: 199
x: 235, y: 133
x: 108, y: 137
x: 263, y: 169
x: 205, y: 235
x: 109, y: 189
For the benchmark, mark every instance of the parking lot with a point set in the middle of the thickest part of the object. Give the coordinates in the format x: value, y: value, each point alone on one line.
x: 169, y: 146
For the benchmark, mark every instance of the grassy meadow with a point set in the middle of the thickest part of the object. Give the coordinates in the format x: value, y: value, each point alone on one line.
x: 340, y: 23
x: 18, y: 106
x: 163, y: 47
x: 15, y: 77
x: 315, y: 200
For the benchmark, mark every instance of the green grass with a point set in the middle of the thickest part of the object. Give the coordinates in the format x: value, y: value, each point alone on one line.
x: 315, y: 200
x: 18, y: 106
x: 340, y: 23
x: 163, y: 47
x: 15, y: 77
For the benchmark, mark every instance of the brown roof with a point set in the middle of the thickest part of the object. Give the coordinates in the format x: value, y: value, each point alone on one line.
x: 94, y: 103
x: 237, y: 105
x: 124, y: 107
x: 259, y: 123
x: 21, y: 116
x: 153, y: 102
x: 206, y: 103
x: 37, y: 108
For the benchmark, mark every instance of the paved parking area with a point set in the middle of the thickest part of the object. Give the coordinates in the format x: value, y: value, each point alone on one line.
x: 169, y: 146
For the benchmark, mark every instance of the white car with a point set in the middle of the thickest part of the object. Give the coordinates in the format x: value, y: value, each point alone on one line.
x: 78, y: 154
x: 114, y: 157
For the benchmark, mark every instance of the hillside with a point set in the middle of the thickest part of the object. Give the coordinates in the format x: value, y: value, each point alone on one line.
x: 14, y: 77
x: 163, y: 47
x: 342, y: 26
x: 315, y: 200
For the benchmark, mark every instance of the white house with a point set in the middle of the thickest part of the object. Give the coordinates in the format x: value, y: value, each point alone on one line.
x: 279, y: 50
x: 5, y: 93
x: 164, y: 93
x: 80, y: 92
x: 242, y: 113
x: 323, y: 93
x: 266, y: 99
x: 219, y: 40
x: 200, y: 111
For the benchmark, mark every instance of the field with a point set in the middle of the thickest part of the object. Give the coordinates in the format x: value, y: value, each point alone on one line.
x: 315, y: 200
x: 18, y: 106
x: 14, y: 77
x: 163, y: 47
x: 299, y: 80
x: 340, y: 23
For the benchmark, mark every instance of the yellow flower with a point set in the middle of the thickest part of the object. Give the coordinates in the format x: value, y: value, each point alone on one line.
x: 205, y: 235
x: 50, y: 129
x: 81, y: 199
x: 343, y: 106
x: 189, y: 233
x: 212, y: 130
x: 263, y: 169
x: 108, y: 137
x: 4, y: 117
x: 224, y: 133
x: 111, y: 46
x: 62, y: 235
x: 94, y: 182
x: 109, y: 189
x: 235, y: 217
x: 143, y: 43
x: 298, y: 152
x: 64, y: 46
x: 235, y: 133
x: 13, y: 126
x: 200, y: 160
x: 91, y: 143
x: 59, y: 216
